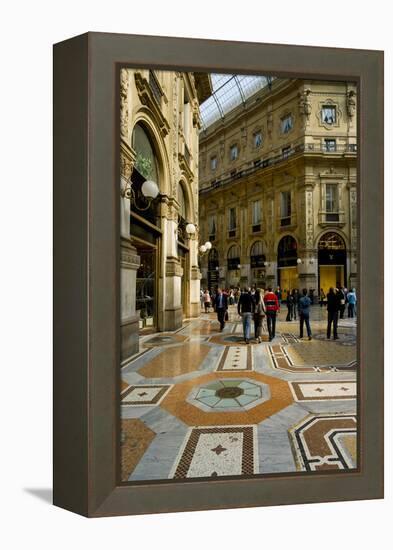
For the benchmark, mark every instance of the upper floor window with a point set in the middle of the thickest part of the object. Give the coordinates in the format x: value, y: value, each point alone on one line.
x: 213, y: 163
x: 331, y: 202
x: 234, y: 152
x: 286, y: 124
x: 257, y: 139
x: 330, y: 145
x: 212, y: 226
x: 331, y: 197
x: 285, y: 208
x: 232, y: 219
x: 256, y: 213
x: 328, y: 114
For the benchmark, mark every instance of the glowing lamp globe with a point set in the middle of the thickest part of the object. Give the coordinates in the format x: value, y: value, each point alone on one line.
x: 150, y: 189
x: 202, y: 249
x: 190, y: 228
x: 208, y: 245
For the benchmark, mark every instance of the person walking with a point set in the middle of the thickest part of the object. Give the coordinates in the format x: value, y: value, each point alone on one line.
x: 333, y: 307
x: 341, y: 295
x: 221, y: 307
x: 245, y: 309
x: 295, y: 294
x: 289, y: 306
x: 351, y: 299
x: 304, y: 314
x: 206, y: 300
x: 272, y: 306
x: 278, y: 293
x: 259, y: 314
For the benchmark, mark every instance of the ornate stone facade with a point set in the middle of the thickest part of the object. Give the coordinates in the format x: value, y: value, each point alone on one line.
x: 299, y: 183
x: 164, y: 105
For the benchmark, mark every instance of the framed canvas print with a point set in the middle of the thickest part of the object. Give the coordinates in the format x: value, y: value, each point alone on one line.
x: 218, y: 261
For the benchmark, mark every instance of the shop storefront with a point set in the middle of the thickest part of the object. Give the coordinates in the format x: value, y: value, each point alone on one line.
x: 287, y: 272
x: 332, y: 261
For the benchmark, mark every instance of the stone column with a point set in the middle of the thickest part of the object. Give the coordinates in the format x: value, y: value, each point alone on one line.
x: 173, y: 272
x: 352, y: 252
x: 195, y: 278
x: 308, y: 269
x: 129, y: 262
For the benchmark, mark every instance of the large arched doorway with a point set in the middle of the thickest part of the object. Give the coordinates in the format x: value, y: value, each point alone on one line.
x: 332, y: 261
x: 257, y: 263
x: 213, y: 268
x: 144, y: 228
x: 287, y: 274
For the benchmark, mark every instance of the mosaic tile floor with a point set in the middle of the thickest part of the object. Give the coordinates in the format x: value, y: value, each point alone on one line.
x: 200, y: 403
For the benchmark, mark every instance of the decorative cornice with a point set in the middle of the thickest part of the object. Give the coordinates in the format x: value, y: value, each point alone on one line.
x: 146, y: 97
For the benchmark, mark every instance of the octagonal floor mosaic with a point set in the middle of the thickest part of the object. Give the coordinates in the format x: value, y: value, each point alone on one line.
x: 229, y: 395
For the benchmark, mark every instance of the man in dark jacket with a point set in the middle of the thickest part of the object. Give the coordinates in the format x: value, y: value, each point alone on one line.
x: 333, y: 306
x: 221, y: 307
x: 245, y: 308
x: 304, y: 313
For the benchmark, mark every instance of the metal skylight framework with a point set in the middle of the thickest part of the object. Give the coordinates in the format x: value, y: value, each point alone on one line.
x: 229, y: 91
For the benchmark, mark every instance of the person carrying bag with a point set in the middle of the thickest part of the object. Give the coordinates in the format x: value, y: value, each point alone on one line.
x: 259, y: 315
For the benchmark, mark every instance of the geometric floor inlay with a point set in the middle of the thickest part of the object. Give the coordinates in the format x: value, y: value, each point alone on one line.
x: 325, y: 442
x: 175, y: 361
x: 229, y: 395
x: 135, y: 439
x: 198, y: 402
x: 217, y: 451
x: 180, y: 401
x: 236, y: 358
x: 144, y: 395
x: 293, y: 358
x: 319, y: 391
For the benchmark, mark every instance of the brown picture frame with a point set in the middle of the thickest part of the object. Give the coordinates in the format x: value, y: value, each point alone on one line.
x: 86, y: 273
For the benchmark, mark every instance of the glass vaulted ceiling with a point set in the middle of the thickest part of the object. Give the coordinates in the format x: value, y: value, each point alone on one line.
x: 229, y: 91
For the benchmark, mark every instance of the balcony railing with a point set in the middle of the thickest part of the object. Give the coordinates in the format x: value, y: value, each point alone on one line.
x: 278, y: 156
x: 287, y: 222
x: 331, y: 218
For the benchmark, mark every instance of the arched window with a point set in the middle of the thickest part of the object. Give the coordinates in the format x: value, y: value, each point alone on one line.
x: 146, y: 160
x: 182, y: 201
x: 331, y: 241
x: 233, y: 257
x: 287, y: 252
x: 257, y: 257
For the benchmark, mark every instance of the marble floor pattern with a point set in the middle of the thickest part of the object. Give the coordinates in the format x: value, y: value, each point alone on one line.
x: 200, y: 403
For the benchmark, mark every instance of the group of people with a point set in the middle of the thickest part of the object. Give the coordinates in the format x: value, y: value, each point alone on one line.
x: 346, y: 297
x: 262, y: 307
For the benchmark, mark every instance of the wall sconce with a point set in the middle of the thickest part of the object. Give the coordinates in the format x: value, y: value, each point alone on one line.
x: 190, y: 229
x: 266, y: 264
x: 148, y: 193
x: 299, y: 261
x: 204, y: 247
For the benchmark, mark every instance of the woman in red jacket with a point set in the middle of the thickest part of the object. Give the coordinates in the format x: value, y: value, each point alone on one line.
x: 272, y: 307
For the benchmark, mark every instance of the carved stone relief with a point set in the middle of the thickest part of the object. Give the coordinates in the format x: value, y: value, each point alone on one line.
x: 124, y: 111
